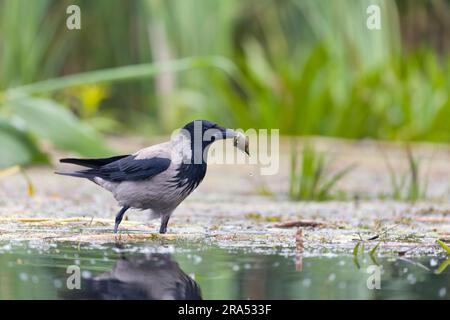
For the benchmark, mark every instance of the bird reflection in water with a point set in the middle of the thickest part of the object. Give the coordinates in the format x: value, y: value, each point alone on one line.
x: 145, y: 277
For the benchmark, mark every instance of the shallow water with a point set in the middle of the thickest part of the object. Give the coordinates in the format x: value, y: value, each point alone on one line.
x: 155, y: 270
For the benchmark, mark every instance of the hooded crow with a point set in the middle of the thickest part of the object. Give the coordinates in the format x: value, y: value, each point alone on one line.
x: 159, y: 177
x: 154, y: 276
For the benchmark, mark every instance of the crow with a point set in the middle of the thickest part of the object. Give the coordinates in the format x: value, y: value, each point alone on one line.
x: 154, y: 276
x: 159, y: 177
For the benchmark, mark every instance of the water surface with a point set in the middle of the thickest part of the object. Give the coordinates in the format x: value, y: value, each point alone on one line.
x: 155, y: 270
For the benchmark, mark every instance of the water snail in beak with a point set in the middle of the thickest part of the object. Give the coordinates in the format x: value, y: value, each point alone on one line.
x: 241, y: 142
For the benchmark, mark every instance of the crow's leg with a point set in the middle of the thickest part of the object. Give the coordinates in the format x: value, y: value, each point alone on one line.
x: 119, y: 217
x: 164, y: 220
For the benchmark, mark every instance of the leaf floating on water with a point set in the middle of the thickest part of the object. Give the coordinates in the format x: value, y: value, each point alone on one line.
x: 32, y: 220
x: 258, y: 217
x: 253, y: 216
x: 444, y: 246
x: 299, y: 223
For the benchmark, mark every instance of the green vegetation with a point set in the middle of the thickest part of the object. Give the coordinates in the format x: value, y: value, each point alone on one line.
x: 444, y: 246
x: 307, y: 67
x: 359, y: 249
x: 400, y: 100
x: 50, y: 121
x: 410, y: 185
x: 308, y: 177
x: 446, y: 263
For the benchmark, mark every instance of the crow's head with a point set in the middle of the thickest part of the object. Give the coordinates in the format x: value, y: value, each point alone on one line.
x: 208, y: 131
x: 202, y: 133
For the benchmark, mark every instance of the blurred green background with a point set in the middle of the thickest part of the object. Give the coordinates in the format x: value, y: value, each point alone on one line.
x: 146, y: 67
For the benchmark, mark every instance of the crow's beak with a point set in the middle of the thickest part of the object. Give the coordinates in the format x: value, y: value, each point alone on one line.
x: 240, y: 141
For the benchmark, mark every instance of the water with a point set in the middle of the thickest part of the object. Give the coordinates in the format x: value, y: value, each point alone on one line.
x: 154, y: 270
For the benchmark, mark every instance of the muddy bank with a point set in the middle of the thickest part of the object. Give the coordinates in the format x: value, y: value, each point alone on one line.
x: 230, y: 210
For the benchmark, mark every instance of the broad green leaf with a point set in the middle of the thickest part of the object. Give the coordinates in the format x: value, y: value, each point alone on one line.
x: 51, y: 121
x: 17, y: 147
x: 123, y: 74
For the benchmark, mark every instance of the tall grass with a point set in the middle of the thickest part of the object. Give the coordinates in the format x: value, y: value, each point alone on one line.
x: 304, y: 66
x: 401, y: 100
x: 339, y: 79
x: 190, y: 28
x: 32, y: 43
x: 309, y: 176
x: 411, y: 185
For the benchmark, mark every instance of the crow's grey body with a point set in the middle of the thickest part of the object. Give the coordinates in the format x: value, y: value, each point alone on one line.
x: 159, y: 193
x: 157, y: 178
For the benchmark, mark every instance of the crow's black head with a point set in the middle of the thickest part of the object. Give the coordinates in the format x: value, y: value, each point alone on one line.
x: 208, y: 128
x: 207, y: 131
x: 202, y: 133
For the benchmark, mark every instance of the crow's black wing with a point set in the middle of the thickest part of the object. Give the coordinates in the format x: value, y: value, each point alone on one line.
x: 126, y: 169
x: 130, y: 168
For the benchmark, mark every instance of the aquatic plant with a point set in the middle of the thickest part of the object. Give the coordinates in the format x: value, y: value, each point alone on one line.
x: 409, y: 185
x: 309, y: 177
x: 444, y: 246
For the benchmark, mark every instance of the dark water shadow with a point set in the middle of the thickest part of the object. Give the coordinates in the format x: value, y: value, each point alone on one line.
x: 154, y: 276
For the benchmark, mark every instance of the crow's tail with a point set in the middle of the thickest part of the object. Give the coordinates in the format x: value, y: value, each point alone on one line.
x: 92, y: 163
x: 78, y: 174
